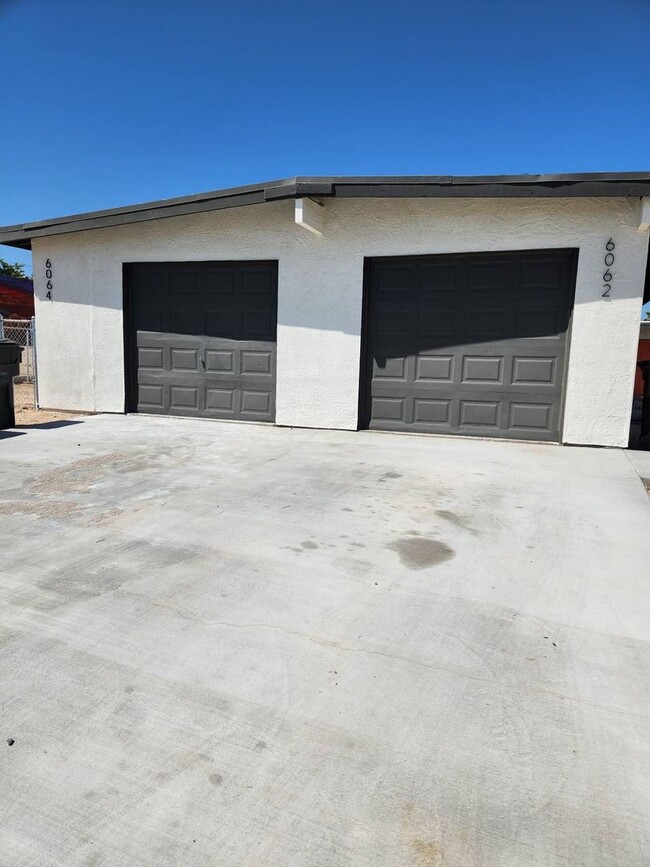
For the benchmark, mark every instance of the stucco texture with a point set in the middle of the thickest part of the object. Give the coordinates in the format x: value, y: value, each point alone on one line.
x: 80, y: 331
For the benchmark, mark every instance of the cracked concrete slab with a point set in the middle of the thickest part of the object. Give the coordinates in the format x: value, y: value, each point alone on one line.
x: 240, y: 645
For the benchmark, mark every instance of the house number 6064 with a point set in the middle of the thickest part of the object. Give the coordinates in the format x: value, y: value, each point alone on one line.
x: 48, y: 277
x: 610, y: 246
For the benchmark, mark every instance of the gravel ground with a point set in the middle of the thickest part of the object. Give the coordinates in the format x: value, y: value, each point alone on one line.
x: 27, y: 415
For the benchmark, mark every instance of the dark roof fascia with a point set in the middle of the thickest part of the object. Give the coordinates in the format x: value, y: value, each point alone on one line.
x: 599, y: 184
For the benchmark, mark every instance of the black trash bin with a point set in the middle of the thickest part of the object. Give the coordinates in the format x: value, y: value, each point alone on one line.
x: 644, y: 437
x: 10, y: 355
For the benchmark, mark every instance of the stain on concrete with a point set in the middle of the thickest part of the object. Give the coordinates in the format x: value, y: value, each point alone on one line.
x: 390, y: 475
x: 427, y: 852
x: 261, y: 745
x: 424, y: 852
x: 458, y: 520
x: 79, y: 476
x: 308, y: 545
x: 129, y: 689
x: 421, y: 552
x: 216, y: 779
x: 60, y: 589
x: 58, y: 509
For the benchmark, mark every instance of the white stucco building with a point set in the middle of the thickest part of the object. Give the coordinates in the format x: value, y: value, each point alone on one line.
x: 492, y: 306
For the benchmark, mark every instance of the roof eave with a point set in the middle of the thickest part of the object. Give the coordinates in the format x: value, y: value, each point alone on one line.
x: 625, y: 184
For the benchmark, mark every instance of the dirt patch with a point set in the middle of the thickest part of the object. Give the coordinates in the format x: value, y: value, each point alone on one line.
x: 53, y: 509
x: 27, y: 414
x: 108, y: 517
x: 75, y: 477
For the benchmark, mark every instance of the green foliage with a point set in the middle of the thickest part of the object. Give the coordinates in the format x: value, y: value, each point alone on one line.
x: 9, y: 270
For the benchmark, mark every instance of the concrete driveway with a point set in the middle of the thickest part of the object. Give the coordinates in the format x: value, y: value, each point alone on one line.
x: 237, y: 645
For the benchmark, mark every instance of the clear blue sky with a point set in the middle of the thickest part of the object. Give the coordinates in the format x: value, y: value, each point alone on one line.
x: 107, y: 103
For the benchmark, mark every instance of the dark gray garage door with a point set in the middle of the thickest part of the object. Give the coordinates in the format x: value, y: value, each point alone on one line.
x: 201, y: 339
x: 469, y: 344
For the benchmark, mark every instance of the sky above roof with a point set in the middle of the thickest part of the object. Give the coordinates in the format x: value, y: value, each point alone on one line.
x: 111, y: 103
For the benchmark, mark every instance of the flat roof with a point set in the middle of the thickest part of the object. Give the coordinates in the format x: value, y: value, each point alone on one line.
x: 598, y: 184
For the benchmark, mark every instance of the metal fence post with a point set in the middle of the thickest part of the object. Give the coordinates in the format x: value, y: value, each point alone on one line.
x: 33, y: 336
x: 2, y: 327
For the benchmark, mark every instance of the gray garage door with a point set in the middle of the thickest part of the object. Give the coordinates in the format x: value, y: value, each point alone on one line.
x: 201, y: 339
x: 468, y: 344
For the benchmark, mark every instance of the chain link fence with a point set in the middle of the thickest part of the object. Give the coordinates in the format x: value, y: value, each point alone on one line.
x: 23, y: 332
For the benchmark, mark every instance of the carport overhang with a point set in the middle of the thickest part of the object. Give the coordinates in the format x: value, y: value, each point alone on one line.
x: 600, y: 184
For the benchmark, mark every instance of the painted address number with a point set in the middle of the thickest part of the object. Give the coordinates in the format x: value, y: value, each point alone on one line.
x: 610, y: 246
x: 48, y: 277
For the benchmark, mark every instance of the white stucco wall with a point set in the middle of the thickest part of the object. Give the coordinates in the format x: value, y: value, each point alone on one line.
x: 320, y: 293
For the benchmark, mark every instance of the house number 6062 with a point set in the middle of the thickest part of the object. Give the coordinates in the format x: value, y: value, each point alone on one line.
x: 48, y: 277
x: 610, y: 246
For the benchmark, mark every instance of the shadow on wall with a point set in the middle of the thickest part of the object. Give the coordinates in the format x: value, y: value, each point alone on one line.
x: 415, y: 304
x: 439, y: 279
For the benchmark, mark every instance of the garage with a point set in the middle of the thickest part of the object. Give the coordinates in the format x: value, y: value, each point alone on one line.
x: 201, y: 339
x: 432, y: 304
x: 470, y: 344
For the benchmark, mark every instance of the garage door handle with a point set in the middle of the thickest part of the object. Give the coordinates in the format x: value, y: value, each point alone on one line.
x: 202, y: 361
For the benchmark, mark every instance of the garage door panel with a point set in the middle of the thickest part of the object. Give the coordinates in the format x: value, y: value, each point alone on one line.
x: 256, y: 404
x: 151, y: 396
x: 483, y: 369
x: 480, y: 347
x: 257, y: 362
x: 548, y: 272
x: 387, y: 324
x: 534, y: 371
x: 257, y: 324
x: 530, y: 416
x: 491, y: 276
x: 394, y: 277
x: 434, y: 368
x: 389, y: 409
x: 480, y: 413
x: 220, y: 286
x: 220, y: 400
x: 485, y: 324
x: 220, y: 361
x: 222, y: 323
x: 539, y: 323
x: 184, y: 397
x: 184, y: 359
x: 258, y: 284
x: 432, y: 411
x: 390, y: 368
x: 151, y: 358
x: 439, y: 279
x: 213, y: 352
x: 436, y: 327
